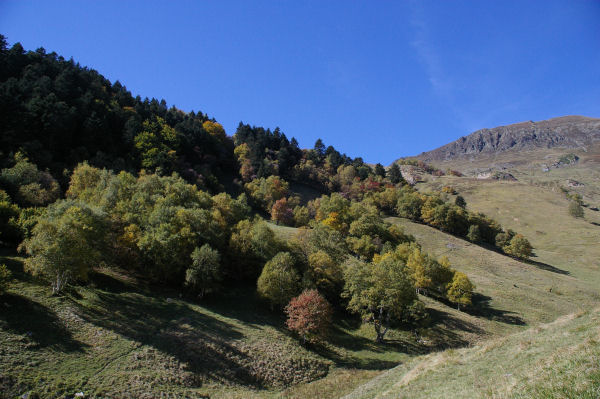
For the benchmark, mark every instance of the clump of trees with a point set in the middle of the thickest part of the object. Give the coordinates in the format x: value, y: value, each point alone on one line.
x: 60, y: 114
x: 76, y: 197
x: 453, y: 218
x: 66, y: 243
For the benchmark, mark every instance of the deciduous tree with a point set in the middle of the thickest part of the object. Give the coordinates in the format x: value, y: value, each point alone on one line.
x: 204, y: 275
x: 309, y: 315
x: 66, y: 243
x: 460, y: 290
x: 519, y: 247
x: 378, y: 291
x: 279, y: 280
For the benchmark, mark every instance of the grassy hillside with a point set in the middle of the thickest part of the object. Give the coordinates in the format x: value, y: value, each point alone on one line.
x: 509, y: 294
x: 116, y: 337
x: 541, y: 213
x: 556, y: 360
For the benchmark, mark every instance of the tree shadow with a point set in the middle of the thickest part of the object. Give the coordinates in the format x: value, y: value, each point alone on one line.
x: 203, y: 343
x: 481, y: 307
x: 443, y: 332
x: 37, y: 322
x: 240, y: 302
x: 545, y: 266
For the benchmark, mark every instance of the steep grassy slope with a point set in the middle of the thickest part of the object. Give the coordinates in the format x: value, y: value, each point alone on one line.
x: 509, y: 294
x: 559, y: 359
x: 118, y: 338
x: 556, y: 360
x: 541, y: 213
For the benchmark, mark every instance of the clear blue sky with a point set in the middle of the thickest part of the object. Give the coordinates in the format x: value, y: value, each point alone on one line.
x: 377, y: 79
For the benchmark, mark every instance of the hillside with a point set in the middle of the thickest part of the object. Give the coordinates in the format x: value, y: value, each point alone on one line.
x: 145, y: 253
x: 555, y: 360
x: 570, y: 132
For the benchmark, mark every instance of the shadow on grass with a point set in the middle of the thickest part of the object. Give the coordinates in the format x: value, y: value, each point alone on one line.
x: 481, y: 307
x: 201, y: 342
x: 545, y: 266
x: 23, y: 316
x: 354, y: 362
x: 242, y: 303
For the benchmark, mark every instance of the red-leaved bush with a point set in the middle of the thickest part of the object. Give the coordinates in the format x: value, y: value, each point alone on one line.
x: 282, y: 212
x: 309, y: 315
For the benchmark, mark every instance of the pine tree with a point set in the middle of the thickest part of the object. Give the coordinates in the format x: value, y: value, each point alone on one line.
x: 394, y: 174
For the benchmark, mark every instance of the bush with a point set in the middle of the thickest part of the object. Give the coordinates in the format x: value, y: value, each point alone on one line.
x: 575, y: 209
x: 309, y: 315
x: 5, y: 277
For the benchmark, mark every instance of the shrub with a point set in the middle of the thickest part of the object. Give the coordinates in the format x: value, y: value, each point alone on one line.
x: 5, y: 277
x: 575, y: 209
x: 309, y: 315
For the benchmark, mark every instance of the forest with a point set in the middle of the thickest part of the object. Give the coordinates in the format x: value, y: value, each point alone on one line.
x: 92, y: 176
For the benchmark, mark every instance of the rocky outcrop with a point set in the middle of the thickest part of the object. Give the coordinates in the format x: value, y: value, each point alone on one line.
x: 566, y: 132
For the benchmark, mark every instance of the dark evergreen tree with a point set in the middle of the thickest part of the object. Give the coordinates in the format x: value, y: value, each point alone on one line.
x: 320, y: 148
x: 394, y: 174
x: 380, y: 170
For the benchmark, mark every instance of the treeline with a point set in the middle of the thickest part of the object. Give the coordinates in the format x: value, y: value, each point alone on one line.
x: 272, y: 195
x: 60, y: 114
x: 453, y: 218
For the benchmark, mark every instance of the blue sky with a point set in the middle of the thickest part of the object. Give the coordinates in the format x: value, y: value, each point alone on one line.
x: 377, y: 79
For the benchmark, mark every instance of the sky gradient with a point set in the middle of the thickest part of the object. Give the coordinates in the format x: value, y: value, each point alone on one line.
x: 376, y: 79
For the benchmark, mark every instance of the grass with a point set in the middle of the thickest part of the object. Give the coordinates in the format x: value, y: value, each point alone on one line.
x: 116, y: 337
x: 530, y: 350
x: 556, y: 360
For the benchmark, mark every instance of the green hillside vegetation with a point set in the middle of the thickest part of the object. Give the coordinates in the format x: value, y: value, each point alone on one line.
x: 555, y: 360
x: 149, y: 254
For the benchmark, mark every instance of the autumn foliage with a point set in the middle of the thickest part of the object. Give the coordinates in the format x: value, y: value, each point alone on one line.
x: 309, y: 315
x: 281, y: 212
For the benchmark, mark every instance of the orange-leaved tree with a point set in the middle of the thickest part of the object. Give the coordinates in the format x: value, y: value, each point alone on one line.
x: 309, y: 315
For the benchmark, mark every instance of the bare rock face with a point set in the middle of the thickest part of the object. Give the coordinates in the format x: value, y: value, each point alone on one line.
x: 565, y: 132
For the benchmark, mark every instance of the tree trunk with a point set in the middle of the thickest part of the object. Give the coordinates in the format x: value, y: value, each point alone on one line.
x: 377, y: 324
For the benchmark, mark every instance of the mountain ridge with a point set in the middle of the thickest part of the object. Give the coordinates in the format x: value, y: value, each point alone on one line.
x: 572, y: 131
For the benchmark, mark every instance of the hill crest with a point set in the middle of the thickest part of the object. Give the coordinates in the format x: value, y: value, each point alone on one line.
x: 568, y: 131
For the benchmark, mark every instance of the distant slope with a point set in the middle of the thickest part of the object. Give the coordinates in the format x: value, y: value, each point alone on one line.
x: 559, y: 359
x: 565, y: 132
